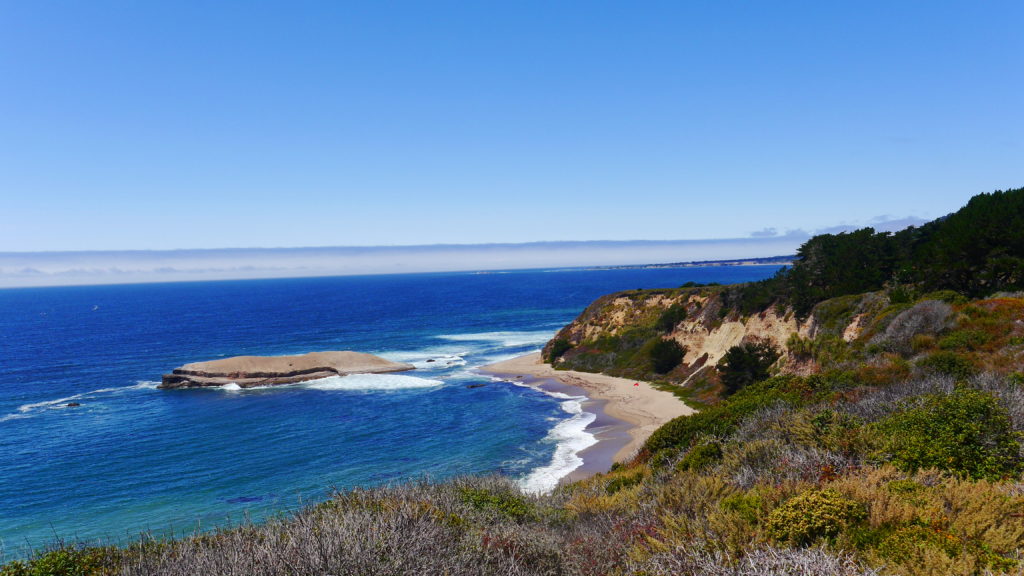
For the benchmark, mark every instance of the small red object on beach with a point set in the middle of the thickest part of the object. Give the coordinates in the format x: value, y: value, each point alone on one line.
x: 636, y: 384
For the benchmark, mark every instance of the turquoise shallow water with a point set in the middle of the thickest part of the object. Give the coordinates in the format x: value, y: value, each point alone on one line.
x: 133, y: 458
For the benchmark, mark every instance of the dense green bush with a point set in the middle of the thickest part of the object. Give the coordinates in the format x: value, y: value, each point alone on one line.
x: 813, y: 515
x: 948, y: 364
x: 750, y: 506
x: 745, y: 364
x: 62, y: 561
x: 507, y: 503
x: 672, y: 316
x: 967, y: 432
x: 559, y: 346
x: 701, y: 456
x: 623, y: 481
x: 964, y: 340
x: 665, y: 355
x: 721, y: 419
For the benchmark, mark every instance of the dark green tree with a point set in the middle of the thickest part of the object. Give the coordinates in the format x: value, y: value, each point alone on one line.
x: 672, y: 316
x: 976, y: 251
x: 745, y: 364
x: 666, y: 355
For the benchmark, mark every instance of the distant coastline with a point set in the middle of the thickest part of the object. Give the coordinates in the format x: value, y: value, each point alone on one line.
x: 769, y: 261
x: 37, y: 269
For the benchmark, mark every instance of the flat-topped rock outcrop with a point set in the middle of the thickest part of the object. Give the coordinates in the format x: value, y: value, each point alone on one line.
x: 250, y: 371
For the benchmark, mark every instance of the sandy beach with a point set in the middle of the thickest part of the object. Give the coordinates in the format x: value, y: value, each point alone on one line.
x: 641, y: 406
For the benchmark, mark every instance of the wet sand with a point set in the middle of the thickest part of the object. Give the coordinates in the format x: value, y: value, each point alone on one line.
x: 628, y: 411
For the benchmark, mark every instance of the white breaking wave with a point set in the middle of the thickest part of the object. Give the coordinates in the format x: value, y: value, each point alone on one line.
x: 485, y: 360
x: 26, y: 410
x: 371, y: 382
x: 439, y: 363
x: 553, y: 394
x: 571, y: 438
x: 13, y: 417
x: 435, y: 358
x: 506, y: 339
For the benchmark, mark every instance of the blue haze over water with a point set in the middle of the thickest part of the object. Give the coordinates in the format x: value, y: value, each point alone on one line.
x: 133, y: 458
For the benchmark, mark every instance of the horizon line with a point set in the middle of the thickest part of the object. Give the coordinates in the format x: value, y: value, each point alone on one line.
x: 793, y: 234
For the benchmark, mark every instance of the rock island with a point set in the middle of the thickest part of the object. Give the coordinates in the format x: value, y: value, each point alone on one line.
x: 250, y: 371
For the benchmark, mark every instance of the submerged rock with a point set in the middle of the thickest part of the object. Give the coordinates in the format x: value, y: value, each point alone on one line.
x: 250, y: 371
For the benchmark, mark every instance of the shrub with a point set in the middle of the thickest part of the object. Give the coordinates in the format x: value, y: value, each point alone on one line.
x: 907, y: 542
x: 558, y: 347
x: 922, y: 342
x: 967, y: 432
x: 665, y: 355
x: 625, y: 480
x: 927, y: 317
x: 813, y: 515
x: 964, y: 340
x: 948, y: 364
x: 750, y: 505
x: 745, y: 364
x: 901, y: 295
x: 672, y: 316
x: 721, y: 419
x: 765, y: 561
x: 800, y: 347
x: 61, y: 561
x: 505, y: 503
x: 701, y: 456
x: 947, y: 296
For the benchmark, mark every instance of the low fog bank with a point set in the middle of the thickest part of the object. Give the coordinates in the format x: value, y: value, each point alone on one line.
x: 23, y: 269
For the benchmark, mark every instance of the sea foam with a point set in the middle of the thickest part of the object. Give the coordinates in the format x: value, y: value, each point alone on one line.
x: 570, y: 437
x: 506, y: 339
x: 371, y: 382
x: 26, y: 410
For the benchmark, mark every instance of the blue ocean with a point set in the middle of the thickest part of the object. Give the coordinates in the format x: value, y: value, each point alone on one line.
x: 131, y: 458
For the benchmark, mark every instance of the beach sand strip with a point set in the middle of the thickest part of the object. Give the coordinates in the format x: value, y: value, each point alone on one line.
x: 639, y: 404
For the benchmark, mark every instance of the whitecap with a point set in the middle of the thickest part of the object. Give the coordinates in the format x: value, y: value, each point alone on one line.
x: 507, y: 339
x: 551, y: 393
x: 231, y: 387
x: 27, y: 409
x: 371, y: 382
x: 50, y: 403
x: 571, y: 438
x: 433, y: 358
x: 13, y: 417
x: 439, y: 362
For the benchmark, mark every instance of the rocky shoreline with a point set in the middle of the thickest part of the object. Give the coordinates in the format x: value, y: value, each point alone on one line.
x: 251, y: 371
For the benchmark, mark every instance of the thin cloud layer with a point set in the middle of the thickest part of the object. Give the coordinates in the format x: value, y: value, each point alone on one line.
x: 116, y: 267
x: 23, y: 269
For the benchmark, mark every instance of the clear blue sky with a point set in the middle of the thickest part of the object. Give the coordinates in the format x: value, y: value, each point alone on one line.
x: 145, y: 125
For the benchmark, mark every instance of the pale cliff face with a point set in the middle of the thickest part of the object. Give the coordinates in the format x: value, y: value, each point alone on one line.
x: 705, y: 334
x: 767, y: 326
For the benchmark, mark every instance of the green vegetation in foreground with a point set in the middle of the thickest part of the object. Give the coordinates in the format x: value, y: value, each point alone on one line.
x: 896, y: 452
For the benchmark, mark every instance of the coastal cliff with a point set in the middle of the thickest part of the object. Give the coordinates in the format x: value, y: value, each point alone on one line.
x: 620, y: 334
x: 250, y: 371
x: 702, y: 327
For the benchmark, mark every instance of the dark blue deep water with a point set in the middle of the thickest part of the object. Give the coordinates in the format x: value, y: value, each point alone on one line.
x: 133, y: 458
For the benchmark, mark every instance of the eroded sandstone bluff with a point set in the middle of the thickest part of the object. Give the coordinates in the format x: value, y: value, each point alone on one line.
x: 250, y: 371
